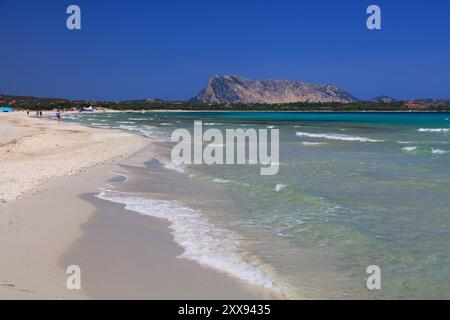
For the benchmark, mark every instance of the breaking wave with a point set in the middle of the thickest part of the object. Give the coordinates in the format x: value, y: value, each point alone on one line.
x: 202, y: 241
x: 332, y: 136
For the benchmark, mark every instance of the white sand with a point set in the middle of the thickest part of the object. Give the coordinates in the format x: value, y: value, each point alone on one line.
x: 43, y: 169
x: 32, y: 151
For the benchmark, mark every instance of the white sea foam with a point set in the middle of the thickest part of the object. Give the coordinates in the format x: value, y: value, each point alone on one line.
x: 143, y: 130
x: 404, y: 142
x: 279, y: 187
x: 312, y: 143
x: 202, y: 241
x: 96, y: 124
x: 409, y: 149
x: 131, y: 128
x: 220, y: 180
x: 332, y: 136
x: 140, y: 119
x: 438, y: 151
x: 126, y: 122
x: 146, y: 130
x: 174, y: 167
x: 434, y: 130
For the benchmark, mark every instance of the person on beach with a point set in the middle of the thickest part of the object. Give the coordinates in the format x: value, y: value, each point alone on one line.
x: 37, y: 113
x: 40, y: 113
x: 28, y: 112
x: 58, y: 116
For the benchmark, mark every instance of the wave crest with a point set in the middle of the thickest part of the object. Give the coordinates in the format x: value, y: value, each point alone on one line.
x: 333, y: 136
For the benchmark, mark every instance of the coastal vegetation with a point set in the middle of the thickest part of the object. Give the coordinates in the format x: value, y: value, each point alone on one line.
x: 35, y: 103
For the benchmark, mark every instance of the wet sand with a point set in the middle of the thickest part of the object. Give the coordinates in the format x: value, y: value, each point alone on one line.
x: 126, y: 255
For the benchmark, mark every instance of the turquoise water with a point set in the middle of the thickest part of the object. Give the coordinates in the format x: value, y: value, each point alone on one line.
x: 353, y: 190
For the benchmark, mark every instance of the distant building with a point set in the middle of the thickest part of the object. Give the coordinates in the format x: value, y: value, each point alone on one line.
x: 6, y: 109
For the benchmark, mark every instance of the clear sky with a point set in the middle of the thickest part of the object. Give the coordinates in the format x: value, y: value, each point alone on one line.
x: 168, y: 48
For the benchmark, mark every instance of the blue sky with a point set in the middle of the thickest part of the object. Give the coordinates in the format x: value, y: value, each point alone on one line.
x: 168, y: 48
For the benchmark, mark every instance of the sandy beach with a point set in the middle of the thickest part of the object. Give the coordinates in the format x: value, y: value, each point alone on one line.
x: 50, y: 219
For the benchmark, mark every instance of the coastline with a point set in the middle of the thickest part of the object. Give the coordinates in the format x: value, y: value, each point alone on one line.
x: 131, y: 256
x: 54, y: 220
x: 284, y: 111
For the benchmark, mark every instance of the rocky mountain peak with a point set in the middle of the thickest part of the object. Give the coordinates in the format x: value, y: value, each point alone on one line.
x: 237, y: 89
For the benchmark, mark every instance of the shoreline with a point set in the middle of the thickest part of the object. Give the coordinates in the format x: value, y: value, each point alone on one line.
x: 56, y: 221
x: 289, y: 111
x: 283, y: 111
x: 131, y: 256
x: 22, y: 111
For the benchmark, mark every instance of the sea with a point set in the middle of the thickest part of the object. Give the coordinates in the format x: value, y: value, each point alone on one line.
x: 353, y: 190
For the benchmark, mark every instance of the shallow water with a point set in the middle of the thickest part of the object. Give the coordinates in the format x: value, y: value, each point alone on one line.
x: 353, y: 190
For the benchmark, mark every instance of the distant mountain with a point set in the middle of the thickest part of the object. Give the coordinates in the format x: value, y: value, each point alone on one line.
x: 235, y: 89
x: 384, y: 99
